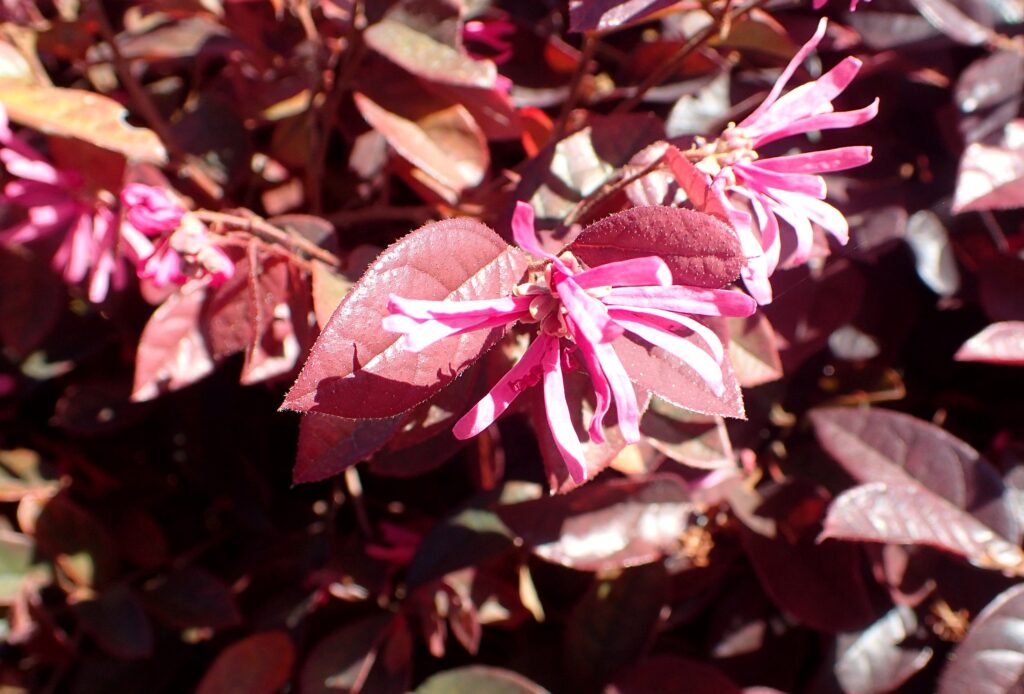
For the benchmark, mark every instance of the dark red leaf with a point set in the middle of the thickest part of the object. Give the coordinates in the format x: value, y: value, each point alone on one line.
x: 663, y: 674
x: 999, y: 343
x: 428, y: 58
x: 873, y: 661
x: 991, y: 176
x: 473, y: 679
x: 990, y: 660
x: 258, y: 664
x: 947, y: 18
x: 77, y: 542
x: 883, y: 446
x: 192, y: 597
x: 172, y: 353
x: 990, y: 80
x: 820, y: 584
x: 356, y: 369
x: 613, y: 624
x: 753, y: 351
x: 686, y: 437
x: 608, y: 15
x: 341, y: 662
x: 118, y: 623
x: 604, y: 525
x: 701, y: 250
x: 464, y: 539
x: 328, y: 445
x: 446, y: 144
x: 31, y: 299
x: 909, y: 514
x: 694, y: 183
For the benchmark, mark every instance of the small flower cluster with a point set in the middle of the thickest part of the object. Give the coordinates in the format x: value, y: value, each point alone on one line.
x: 59, y: 205
x: 184, y: 250
x: 99, y: 237
x: 580, y: 312
x: 759, y: 191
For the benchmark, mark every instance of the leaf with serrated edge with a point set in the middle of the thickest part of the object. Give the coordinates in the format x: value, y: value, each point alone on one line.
x: 357, y: 370
x: 83, y: 115
x: 908, y: 514
x: 701, y: 251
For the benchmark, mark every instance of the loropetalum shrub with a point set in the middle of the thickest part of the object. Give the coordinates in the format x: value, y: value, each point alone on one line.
x: 638, y: 346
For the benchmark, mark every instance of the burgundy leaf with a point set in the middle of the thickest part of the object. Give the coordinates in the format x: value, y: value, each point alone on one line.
x: 701, y: 250
x: 882, y: 446
x: 608, y: 15
x: 613, y: 624
x: 341, y: 662
x: 473, y: 679
x: 820, y: 584
x: 753, y: 351
x: 258, y: 664
x: 662, y: 674
x: 908, y: 514
x: 653, y: 369
x: 328, y: 445
x: 118, y: 623
x: 192, y: 597
x: 31, y: 299
x: 999, y: 343
x: 686, y: 437
x: 873, y: 661
x: 694, y: 183
x: 604, y: 525
x: 990, y: 660
x: 991, y: 176
x: 947, y: 18
x: 428, y: 58
x: 445, y: 144
x: 936, y: 265
x: 172, y: 353
x: 357, y: 370
x: 990, y: 80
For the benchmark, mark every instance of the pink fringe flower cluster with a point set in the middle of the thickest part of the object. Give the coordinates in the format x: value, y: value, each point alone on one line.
x: 184, y: 250
x: 760, y: 191
x: 578, y: 311
x: 92, y: 245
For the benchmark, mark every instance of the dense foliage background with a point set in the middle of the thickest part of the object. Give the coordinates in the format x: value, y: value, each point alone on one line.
x: 192, y: 187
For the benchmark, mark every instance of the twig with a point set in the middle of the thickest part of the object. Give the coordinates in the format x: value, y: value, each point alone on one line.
x: 181, y: 160
x: 589, y: 46
x: 673, y: 63
x: 264, y: 228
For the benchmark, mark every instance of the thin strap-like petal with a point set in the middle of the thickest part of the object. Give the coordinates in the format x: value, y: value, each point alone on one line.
x: 684, y: 350
x: 425, y: 310
x: 602, y: 391
x: 422, y: 334
x: 705, y: 302
x: 626, y: 408
x: 823, y: 161
x: 635, y: 272
x: 811, y: 98
x: 668, y: 320
x: 780, y: 84
x: 761, y: 178
x: 522, y: 375
x: 589, y: 314
x: 823, y: 121
x: 559, y: 419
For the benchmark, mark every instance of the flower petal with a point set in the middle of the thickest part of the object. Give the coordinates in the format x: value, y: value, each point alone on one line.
x: 690, y: 354
x: 824, y: 161
x: 705, y: 302
x: 823, y: 121
x: 635, y: 272
x: 525, y: 373
x: 559, y: 419
x: 421, y: 309
x: 666, y: 320
x: 589, y: 314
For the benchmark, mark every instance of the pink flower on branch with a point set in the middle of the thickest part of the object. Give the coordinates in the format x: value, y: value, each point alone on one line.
x: 57, y: 203
x: 579, y: 313
x: 759, y: 192
x: 183, y: 250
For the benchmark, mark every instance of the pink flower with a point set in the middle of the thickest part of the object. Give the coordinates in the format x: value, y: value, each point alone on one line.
x: 92, y: 246
x: 582, y: 310
x: 184, y: 250
x: 491, y: 33
x: 759, y: 192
